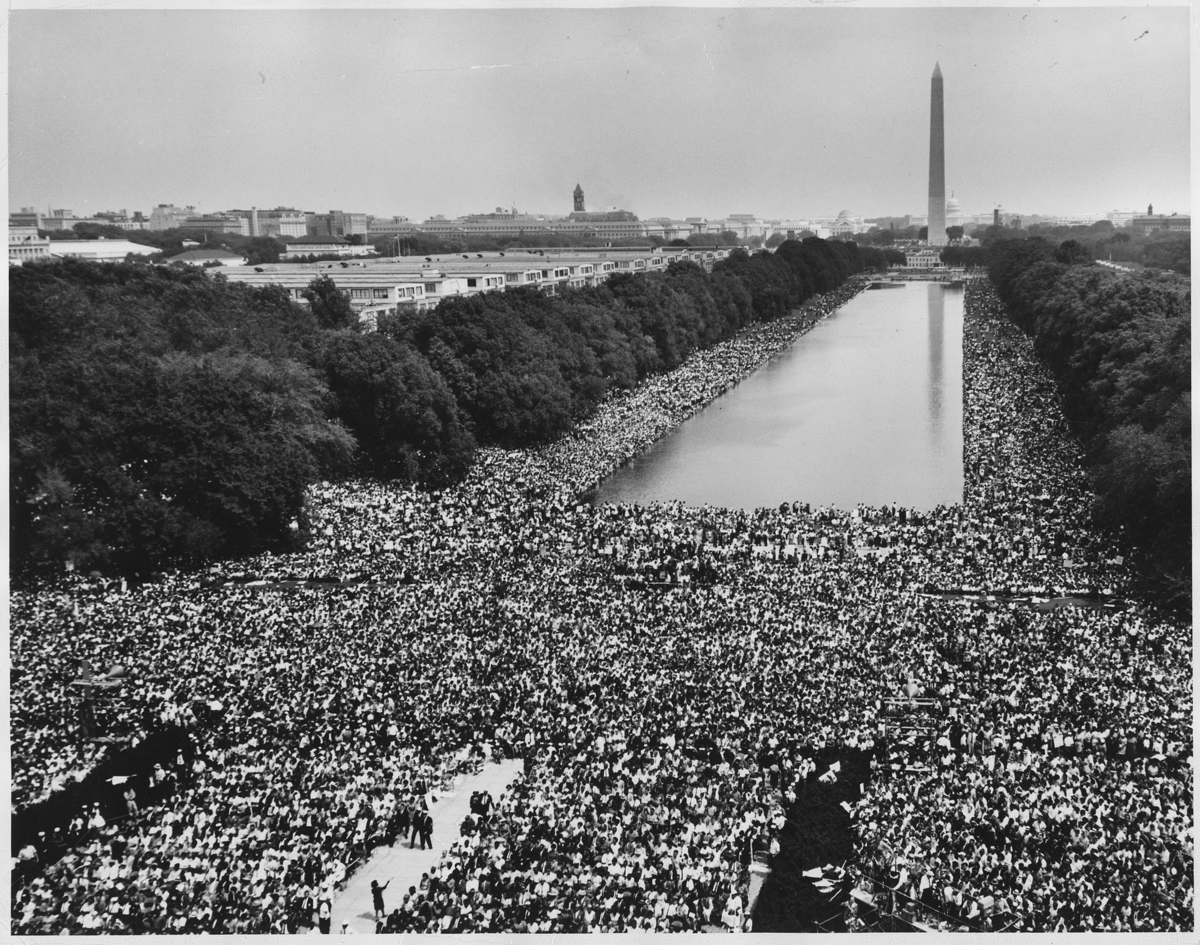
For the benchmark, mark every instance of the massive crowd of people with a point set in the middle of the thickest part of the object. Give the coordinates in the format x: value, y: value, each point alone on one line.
x: 667, y: 722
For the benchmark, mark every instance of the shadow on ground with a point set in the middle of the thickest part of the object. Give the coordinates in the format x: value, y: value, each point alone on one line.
x: 817, y: 833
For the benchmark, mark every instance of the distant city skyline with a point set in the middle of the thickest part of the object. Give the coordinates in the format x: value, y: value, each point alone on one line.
x: 215, y: 212
x: 792, y: 114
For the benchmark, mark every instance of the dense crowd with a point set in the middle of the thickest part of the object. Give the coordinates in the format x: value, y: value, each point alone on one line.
x: 1062, y: 788
x: 667, y: 723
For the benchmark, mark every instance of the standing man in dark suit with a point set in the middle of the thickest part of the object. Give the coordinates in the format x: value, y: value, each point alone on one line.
x: 426, y: 830
x: 418, y: 813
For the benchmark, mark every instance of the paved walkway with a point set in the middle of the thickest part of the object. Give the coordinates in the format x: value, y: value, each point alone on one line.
x: 401, y: 865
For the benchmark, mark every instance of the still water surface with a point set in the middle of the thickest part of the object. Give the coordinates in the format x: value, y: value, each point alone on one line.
x: 865, y: 408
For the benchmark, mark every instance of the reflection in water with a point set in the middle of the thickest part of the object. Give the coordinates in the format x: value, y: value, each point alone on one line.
x: 865, y: 408
x: 937, y: 316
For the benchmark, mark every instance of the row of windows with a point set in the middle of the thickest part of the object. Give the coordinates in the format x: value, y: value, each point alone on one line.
x: 473, y: 282
x: 367, y: 293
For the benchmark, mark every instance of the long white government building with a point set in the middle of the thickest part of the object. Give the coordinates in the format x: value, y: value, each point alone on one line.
x: 412, y: 283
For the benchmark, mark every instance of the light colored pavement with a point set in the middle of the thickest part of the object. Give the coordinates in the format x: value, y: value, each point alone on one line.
x: 402, y: 866
x: 758, y: 877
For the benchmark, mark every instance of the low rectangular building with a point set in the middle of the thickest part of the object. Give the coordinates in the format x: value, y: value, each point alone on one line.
x: 208, y: 257
x: 924, y: 259
x: 396, y: 226
x: 1175, y: 223
x: 300, y: 246
x: 412, y: 283
x: 370, y: 293
x: 218, y: 223
x: 24, y: 245
x: 100, y: 250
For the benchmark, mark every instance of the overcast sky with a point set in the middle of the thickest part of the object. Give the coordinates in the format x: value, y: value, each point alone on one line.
x: 666, y: 112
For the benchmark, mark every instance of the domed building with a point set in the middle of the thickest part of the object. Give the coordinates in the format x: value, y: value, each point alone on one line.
x: 845, y: 225
x: 953, y: 212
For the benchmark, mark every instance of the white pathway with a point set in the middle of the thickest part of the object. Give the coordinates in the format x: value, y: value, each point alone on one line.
x: 401, y: 865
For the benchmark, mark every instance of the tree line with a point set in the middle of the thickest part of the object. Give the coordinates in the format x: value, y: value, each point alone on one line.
x: 1119, y: 345
x: 1155, y: 249
x: 1101, y: 241
x: 162, y: 417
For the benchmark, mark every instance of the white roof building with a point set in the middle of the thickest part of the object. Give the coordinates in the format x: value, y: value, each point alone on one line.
x: 300, y: 246
x: 411, y: 283
x: 100, y: 250
x: 203, y: 257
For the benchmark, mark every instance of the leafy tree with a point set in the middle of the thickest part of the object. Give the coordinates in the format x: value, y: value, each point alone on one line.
x: 258, y: 250
x: 965, y: 256
x: 156, y: 417
x: 401, y: 412
x: 1119, y: 345
x: 502, y: 371
x: 1169, y: 251
x: 92, y: 231
x: 774, y: 240
x: 1072, y: 252
x: 330, y: 305
x: 954, y: 232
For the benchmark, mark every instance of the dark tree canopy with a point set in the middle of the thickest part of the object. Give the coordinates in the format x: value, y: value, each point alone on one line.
x: 154, y: 419
x: 329, y: 305
x: 1120, y: 347
x: 1071, y: 252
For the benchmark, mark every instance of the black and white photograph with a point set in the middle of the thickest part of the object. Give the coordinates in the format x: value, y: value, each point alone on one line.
x: 504, y: 467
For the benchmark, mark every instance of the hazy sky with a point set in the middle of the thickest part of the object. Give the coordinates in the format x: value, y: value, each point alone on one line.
x: 667, y: 112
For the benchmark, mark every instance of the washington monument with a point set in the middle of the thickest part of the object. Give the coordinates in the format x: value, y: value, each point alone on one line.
x: 937, y: 162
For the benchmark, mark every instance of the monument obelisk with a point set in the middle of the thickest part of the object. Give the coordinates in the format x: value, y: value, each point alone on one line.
x: 937, y: 162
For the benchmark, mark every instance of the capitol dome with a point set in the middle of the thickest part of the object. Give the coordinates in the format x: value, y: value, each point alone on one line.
x: 953, y: 212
